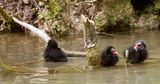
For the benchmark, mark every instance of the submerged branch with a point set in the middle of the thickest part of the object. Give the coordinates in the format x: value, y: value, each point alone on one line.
x: 75, y: 53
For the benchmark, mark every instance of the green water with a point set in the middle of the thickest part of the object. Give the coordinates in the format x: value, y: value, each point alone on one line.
x: 18, y: 49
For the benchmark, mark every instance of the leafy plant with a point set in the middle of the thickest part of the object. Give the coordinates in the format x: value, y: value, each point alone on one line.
x: 59, y: 29
x: 54, y: 9
x: 112, y: 20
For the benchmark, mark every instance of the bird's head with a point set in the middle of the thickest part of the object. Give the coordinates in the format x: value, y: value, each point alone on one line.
x: 52, y: 43
x: 112, y: 50
x: 139, y: 45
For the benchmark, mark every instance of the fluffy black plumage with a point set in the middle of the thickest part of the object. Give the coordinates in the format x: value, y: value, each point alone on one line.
x: 109, y: 57
x: 53, y: 53
x: 137, y: 53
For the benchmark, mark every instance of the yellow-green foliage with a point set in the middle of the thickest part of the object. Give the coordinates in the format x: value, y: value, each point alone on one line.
x: 113, y: 11
x: 117, y: 8
x: 4, y: 67
x: 157, y: 5
x: 54, y: 9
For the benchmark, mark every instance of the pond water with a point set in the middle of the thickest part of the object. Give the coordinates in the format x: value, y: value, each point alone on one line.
x: 20, y: 49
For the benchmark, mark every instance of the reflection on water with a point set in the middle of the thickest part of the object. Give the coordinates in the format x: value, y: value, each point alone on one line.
x: 18, y: 49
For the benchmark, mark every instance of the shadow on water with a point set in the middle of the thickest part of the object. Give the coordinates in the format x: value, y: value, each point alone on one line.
x: 24, y: 50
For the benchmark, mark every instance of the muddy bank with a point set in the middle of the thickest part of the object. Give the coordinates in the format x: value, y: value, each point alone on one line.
x: 62, y: 17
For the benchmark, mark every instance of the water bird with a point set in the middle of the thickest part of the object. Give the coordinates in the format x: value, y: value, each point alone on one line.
x: 136, y: 53
x: 109, y: 56
x: 53, y: 53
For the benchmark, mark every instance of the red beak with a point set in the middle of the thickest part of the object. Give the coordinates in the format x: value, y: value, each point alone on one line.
x: 137, y: 46
x: 115, y: 53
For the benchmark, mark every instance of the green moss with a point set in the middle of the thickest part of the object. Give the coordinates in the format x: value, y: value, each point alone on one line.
x: 93, y: 56
x: 114, y: 25
x: 116, y: 16
x: 59, y: 29
x: 54, y: 9
x: 111, y: 20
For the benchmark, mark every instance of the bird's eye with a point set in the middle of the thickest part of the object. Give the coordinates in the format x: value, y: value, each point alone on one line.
x: 139, y: 45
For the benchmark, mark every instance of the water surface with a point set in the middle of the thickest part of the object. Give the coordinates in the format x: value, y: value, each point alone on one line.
x: 20, y: 49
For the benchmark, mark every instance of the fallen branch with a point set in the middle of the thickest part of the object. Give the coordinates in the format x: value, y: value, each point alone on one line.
x: 45, y: 37
x: 40, y: 33
x: 75, y: 53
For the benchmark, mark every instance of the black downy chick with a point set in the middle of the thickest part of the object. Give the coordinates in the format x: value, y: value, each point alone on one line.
x: 137, y: 53
x: 53, y: 53
x: 109, y: 57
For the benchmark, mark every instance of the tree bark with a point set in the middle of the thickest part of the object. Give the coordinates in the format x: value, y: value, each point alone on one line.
x: 89, y: 32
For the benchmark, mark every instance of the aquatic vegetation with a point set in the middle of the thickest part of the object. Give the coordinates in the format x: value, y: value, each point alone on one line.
x: 4, y: 68
x: 67, y: 69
